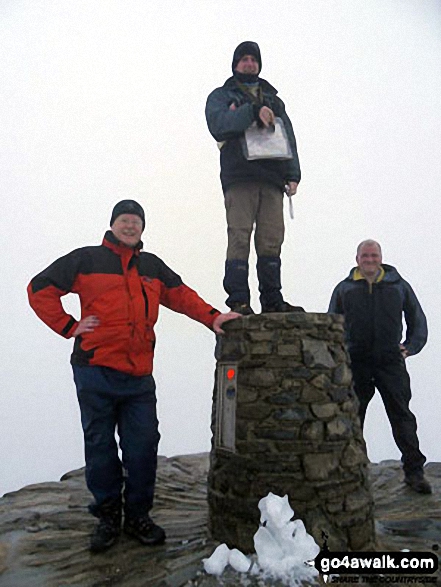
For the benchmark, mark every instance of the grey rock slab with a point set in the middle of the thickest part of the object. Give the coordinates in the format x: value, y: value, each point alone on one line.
x: 44, y: 530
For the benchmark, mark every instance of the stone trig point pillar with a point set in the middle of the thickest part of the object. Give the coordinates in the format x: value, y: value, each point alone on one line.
x: 285, y: 420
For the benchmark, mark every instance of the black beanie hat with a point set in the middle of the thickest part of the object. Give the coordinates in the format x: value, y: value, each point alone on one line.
x: 246, y: 48
x: 128, y: 207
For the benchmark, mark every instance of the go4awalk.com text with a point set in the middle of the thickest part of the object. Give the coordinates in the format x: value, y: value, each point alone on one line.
x: 378, y: 567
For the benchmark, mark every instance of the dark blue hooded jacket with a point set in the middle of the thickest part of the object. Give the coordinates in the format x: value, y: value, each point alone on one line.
x: 374, y: 314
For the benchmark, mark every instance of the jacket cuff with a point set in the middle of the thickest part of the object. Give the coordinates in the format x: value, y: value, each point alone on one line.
x: 214, y: 314
x: 69, y: 328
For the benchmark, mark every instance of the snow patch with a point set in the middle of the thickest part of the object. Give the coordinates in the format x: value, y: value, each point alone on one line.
x: 283, y: 547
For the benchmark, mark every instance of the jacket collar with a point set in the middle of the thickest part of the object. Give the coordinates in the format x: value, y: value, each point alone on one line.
x: 111, y: 242
x: 388, y: 273
x: 266, y: 86
x: 358, y: 275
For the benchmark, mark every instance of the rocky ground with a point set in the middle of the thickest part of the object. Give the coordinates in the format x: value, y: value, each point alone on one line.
x: 44, y: 530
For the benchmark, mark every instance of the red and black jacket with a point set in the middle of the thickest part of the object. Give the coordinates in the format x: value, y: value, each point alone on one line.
x: 123, y: 287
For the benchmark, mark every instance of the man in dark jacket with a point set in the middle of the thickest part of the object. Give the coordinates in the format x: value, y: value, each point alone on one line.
x: 373, y: 299
x: 120, y: 290
x: 253, y: 189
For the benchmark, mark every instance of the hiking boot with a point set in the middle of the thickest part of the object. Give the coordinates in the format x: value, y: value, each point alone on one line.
x: 281, y: 307
x: 417, y: 482
x: 144, y: 529
x: 105, y: 533
x: 245, y: 309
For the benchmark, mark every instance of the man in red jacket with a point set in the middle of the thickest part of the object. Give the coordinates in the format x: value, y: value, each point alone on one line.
x: 120, y: 289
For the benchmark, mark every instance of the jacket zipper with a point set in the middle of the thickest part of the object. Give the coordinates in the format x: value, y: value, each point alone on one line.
x: 132, y: 330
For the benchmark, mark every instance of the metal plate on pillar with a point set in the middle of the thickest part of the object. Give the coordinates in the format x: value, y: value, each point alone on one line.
x: 225, y: 437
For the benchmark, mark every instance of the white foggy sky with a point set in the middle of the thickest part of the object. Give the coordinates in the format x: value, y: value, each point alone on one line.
x: 105, y: 100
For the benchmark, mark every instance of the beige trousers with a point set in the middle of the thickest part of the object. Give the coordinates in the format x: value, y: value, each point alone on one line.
x: 259, y: 205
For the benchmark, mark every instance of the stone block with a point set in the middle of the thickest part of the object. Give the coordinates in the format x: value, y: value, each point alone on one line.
x: 334, y: 507
x: 300, y: 318
x: 324, y: 411
x: 311, y: 394
x: 284, y: 398
x: 298, y: 373
x: 246, y: 323
x: 272, y: 434
x: 296, y: 414
x: 338, y: 428
x: 293, y: 485
x: 340, y: 394
x: 320, y: 466
x: 335, y: 446
x: 347, y: 520
x: 288, y: 350
x: 236, y: 325
x: 283, y: 468
x: 336, y: 490
x: 342, y: 375
x: 299, y: 491
x: 231, y: 350
x: 261, y: 378
x: 350, y: 406
x: 261, y: 335
x: 261, y: 348
x: 313, y: 431
x: 256, y: 411
x: 354, y: 455
x: 291, y: 337
x: 337, y: 322
x: 316, y: 354
x: 278, y: 363
x: 276, y: 321
x: 247, y: 395
x: 285, y: 451
x: 250, y: 364
x: 290, y: 384
x: 250, y: 448
x: 321, y: 381
x: 337, y: 350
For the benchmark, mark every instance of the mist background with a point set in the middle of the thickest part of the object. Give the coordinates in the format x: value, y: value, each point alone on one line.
x: 104, y: 100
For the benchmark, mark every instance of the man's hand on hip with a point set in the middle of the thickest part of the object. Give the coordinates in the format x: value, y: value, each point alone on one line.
x: 404, y: 351
x: 86, y: 325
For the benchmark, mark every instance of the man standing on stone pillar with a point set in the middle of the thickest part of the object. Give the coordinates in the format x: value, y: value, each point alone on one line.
x: 253, y: 187
x: 373, y: 299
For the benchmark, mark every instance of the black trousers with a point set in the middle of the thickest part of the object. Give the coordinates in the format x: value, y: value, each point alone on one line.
x: 389, y: 375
